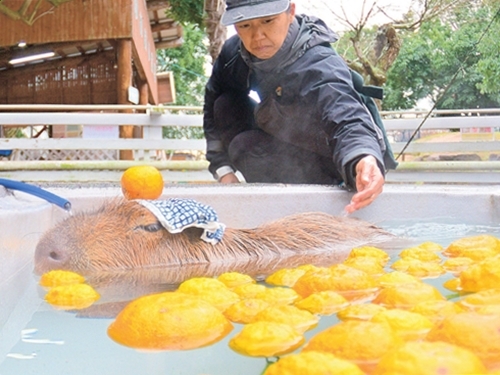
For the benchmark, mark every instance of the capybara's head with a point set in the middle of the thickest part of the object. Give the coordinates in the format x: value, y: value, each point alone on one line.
x: 119, y: 235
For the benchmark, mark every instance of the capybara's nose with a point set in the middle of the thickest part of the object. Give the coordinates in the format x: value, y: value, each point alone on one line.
x: 49, y: 258
x: 55, y: 256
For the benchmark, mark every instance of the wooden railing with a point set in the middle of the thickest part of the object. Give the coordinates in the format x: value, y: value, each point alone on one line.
x: 154, y: 118
x: 469, y: 141
x: 152, y: 123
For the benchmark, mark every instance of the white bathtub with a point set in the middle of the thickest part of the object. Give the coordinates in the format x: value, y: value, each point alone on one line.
x: 24, y: 218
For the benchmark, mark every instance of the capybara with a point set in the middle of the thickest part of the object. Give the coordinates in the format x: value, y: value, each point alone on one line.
x: 124, y: 235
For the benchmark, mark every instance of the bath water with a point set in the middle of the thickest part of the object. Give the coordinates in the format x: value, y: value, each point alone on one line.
x: 38, y: 339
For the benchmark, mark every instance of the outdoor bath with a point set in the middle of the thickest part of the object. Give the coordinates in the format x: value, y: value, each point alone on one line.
x: 35, y: 338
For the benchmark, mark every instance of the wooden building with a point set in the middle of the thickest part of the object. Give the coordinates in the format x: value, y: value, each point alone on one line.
x: 84, y: 51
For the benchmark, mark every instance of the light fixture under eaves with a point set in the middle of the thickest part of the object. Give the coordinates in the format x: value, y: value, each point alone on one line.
x: 28, y: 58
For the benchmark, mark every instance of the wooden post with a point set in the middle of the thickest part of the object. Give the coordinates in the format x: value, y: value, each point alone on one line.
x: 143, y: 92
x: 143, y: 100
x: 124, y: 81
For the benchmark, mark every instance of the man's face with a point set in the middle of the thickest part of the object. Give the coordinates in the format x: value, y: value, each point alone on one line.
x: 263, y: 37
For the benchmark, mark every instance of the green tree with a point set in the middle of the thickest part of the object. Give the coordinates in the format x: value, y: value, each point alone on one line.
x: 187, y: 62
x: 206, y: 14
x: 187, y: 11
x: 489, y: 50
x: 372, y: 50
x: 432, y: 55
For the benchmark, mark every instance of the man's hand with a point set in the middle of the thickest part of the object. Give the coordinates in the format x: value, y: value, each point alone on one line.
x: 229, y: 178
x: 369, y: 184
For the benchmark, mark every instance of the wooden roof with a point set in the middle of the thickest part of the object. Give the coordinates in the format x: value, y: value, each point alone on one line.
x: 166, y: 32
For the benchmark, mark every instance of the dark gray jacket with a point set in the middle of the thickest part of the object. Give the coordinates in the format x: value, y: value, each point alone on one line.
x: 307, y: 97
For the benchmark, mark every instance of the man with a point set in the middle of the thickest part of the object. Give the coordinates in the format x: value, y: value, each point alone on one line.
x: 309, y: 125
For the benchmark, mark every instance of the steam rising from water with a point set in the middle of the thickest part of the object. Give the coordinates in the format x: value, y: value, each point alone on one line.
x: 442, y: 233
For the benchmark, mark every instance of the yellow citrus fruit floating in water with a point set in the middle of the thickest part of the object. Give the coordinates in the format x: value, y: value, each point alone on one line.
x: 405, y: 296
x: 420, y: 253
x: 244, y: 311
x: 408, y: 325
x: 142, y: 182
x: 301, y: 320
x: 475, y: 247
x: 432, y: 246
x: 60, y: 277
x: 396, y: 278
x: 359, y: 341
x: 326, y: 302
x: 370, y: 251
x: 369, y: 265
x: 437, y: 310
x: 234, y: 279
x: 475, y: 301
x: 308, y: 267
x: 429, y: 358
x: 418, y: 268
x: 350, y: 282
x: 312, y: 363
x: 481, y: 276
x: 249, y: 290
x: 169, y: 321
x: 474, y: 331
x: 285, y: 276
x: 362, y: 311
x: 278, y: 295
x: 457, y: 264
x: 211, y: 290
x: 266, y: 339
x: 74, y: 296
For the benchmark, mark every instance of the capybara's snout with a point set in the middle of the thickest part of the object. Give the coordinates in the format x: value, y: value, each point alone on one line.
x: 50, y: 256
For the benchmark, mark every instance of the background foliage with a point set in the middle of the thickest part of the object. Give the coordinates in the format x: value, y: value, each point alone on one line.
x: 187, y: 11
x: 187, y: 63
x: 430, y: 57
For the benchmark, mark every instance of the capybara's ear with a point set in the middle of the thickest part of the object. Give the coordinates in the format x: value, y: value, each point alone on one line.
x: 193, y: 234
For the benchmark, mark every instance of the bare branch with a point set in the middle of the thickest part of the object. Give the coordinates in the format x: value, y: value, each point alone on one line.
x: 373, y: 58
x: 344, y: 21
x: 429, y: 11
x: 381, y: 10
x: 364, y: 19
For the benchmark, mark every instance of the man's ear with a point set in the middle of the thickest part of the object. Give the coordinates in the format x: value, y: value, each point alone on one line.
x: 292, y: 12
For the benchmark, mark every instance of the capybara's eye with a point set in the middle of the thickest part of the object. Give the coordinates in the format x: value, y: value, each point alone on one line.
x: 150, y: 227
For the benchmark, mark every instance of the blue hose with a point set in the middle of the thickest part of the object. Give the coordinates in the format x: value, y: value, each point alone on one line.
x: 34, y: 190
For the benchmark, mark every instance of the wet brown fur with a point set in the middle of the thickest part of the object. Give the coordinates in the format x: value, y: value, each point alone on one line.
x: 114, y: 237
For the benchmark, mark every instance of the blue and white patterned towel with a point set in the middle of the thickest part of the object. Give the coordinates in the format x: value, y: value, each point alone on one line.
x: 177, y: 214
